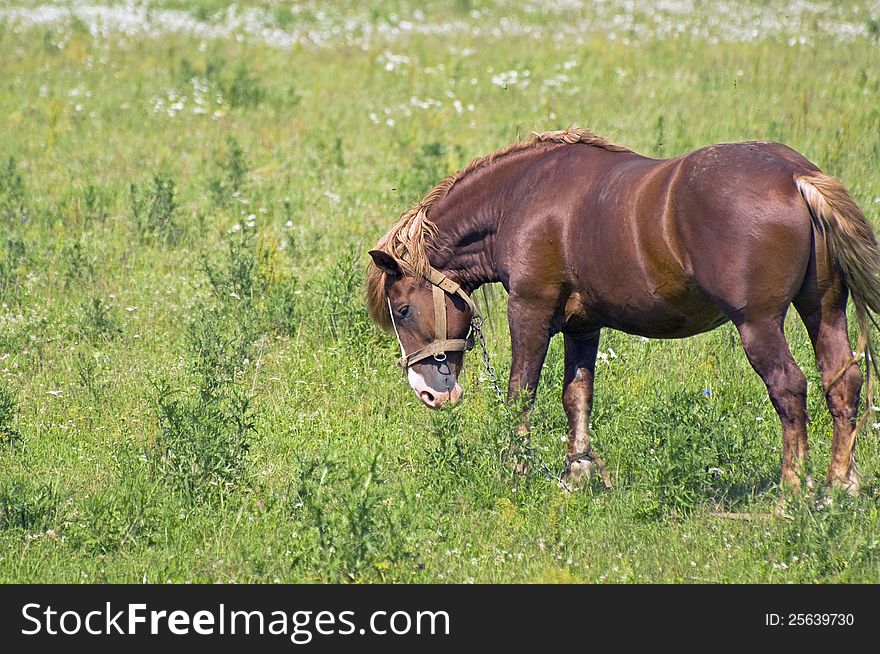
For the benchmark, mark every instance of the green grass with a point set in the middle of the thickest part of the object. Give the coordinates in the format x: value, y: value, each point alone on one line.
x: 190, y: 386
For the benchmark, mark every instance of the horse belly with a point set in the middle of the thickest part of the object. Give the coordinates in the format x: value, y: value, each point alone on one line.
x: 650, y: 315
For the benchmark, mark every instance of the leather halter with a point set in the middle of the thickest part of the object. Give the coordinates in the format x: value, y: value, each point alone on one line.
x: 440, y: 285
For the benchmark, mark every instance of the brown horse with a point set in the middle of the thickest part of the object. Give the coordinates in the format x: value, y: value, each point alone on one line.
x: 586, y: 234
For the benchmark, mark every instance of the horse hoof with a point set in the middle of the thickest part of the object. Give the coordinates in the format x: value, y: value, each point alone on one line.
x: 851, y: 484
x: 578, y: 474
x: 521, y: 468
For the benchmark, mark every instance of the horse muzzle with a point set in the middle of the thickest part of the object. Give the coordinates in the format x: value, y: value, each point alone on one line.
x: 435, y: 390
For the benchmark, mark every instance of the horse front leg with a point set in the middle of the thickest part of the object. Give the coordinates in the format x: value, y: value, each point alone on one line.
x: 529, y: 339
x: 577, y: 399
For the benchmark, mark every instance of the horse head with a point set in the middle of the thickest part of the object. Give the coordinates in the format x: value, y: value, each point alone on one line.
x: 432, y: 319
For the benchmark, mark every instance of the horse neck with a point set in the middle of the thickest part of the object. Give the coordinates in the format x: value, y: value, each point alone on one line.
x: 464, y: 245
x: 467, y: 220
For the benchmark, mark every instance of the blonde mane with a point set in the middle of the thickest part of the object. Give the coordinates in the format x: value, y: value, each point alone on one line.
x: 410, y: 239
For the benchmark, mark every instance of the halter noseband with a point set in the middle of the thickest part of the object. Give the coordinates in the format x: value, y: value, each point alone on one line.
x: 440, y: 285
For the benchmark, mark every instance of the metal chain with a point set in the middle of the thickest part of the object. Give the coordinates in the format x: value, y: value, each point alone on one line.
x: 477, y: 327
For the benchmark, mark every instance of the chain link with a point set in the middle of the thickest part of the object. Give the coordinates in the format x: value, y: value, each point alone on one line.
x: 477, y: 327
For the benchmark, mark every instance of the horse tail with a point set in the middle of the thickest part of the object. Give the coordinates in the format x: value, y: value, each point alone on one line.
x: 853, y: 247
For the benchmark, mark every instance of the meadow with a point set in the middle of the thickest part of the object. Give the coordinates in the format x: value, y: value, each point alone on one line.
x: 191, y: 389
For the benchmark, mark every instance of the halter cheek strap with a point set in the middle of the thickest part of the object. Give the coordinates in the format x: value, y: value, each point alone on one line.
x: 440, y: 285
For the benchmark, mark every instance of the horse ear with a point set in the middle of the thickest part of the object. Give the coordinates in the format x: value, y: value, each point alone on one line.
x: 386, y: 263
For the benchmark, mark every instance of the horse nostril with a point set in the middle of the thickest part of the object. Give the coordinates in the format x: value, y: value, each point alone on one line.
x: 427, y: 397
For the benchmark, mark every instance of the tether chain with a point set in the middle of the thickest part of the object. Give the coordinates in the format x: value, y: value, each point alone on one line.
x: 477, y: 327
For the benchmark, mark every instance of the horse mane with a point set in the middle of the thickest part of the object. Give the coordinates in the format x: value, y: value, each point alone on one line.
x: 410, y: 239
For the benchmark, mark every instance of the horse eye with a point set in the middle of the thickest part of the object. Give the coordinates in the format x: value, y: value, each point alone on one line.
x: 403, y: 311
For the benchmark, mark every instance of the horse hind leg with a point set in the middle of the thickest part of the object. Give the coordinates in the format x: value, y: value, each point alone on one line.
x: 824, y: 314
x: 767, y: 351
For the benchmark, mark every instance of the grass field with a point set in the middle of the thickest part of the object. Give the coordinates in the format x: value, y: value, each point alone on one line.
x: 190, y: 386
